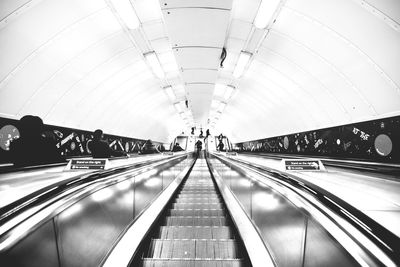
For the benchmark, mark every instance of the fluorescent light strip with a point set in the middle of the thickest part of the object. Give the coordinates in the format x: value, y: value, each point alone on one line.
x: 178, y: 107
x: 155, y: 64
x: 222, y: 106
x: 170, y: 92
x: 244, y: 58
x: 265, y: 13
x: 229, y: 92
x: 126, y: 12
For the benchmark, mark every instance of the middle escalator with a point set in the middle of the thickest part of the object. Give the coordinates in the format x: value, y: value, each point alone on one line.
x: 197, y: 230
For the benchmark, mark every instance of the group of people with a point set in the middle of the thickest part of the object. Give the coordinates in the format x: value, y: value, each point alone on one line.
x: 33, y: 147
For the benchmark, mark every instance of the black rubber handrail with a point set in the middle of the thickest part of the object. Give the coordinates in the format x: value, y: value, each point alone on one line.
x: 388, y: 242
x: 12, y: 168
x: 372, y: 166
x: 17, y: 207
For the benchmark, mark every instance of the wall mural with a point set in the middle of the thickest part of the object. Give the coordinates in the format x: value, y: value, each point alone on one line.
x: 377, y: 140
x: 73, y: 142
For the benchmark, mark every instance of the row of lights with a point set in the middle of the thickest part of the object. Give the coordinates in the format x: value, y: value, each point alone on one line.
x: 126, y: 13
x: 179, y: 106
x: 264, y: 15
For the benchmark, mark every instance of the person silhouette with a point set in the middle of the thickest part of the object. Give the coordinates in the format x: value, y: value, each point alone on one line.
x: 32, y: 148
x: 177, y: 148
x: 101, y: 149
x: 221, y: 146
x: 199, y: 146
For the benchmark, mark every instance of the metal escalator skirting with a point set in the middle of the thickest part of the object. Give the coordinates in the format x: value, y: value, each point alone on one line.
x: 196, y: 230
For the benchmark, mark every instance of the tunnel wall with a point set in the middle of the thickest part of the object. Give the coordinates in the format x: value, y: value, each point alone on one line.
x: 71, y: 142
x: 376, y: 140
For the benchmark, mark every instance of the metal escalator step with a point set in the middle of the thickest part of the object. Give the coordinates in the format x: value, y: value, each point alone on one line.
x: 194, y: 249
x: 197, y: 206
x: 202, y: 181
x: 198, y: 200
x: 195, y: 232
x: 196, y: 187
x: 195, y: 221
x: 197, y: 212
x: 212, y: 195
x: 198, y: 194
x: 192, y: 263
x: 198, y: 190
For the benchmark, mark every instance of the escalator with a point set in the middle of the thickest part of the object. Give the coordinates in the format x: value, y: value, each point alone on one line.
x: 196, y: 230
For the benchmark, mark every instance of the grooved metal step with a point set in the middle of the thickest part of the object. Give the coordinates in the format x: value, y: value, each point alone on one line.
x: 196, y: 221
x: 197, y: 212
x: 196, y: 231
x: 192, y: 263
x: 193, y: 249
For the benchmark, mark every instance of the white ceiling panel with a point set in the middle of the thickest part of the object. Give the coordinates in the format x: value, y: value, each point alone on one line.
x: 196, y: 26
x: 220, y: 4
x: 199, y: 75
x: 198, y: 57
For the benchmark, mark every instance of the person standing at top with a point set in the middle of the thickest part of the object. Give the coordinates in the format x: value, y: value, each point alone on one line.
x: 199, y: 146
x: 101, y: 149
x: 32, y: 148
x: 221, y: 146
x: 177, y: 148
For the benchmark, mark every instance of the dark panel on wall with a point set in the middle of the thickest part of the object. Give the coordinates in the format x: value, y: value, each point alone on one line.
x: 74, y: 142
x: 377, y: 140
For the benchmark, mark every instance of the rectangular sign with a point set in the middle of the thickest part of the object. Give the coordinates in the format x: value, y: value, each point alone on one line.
x: 231, y: 154
x: 88, y: 164
x: 302, y: 165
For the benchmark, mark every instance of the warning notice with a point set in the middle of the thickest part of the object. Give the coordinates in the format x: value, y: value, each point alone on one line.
x: 302, y: 165
x: 88, y: 164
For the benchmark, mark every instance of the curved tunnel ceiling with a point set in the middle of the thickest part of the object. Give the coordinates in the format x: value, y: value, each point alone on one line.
x: 315, y: 64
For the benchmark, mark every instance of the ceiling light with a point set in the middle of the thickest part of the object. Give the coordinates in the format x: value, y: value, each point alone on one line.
x: 170, y: 92
x: 178, y: 107
x: 219, y: 89
x: 229, y: 92
x: 265, y: 12
x: 221, y: 106
x: 214, y: 103
x: 126, y: 12
x: 244, y: 58
x: 155, y: 64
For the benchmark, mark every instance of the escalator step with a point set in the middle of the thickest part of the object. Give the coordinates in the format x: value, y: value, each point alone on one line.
x: 191, y: 263
x: 199, y: 191
x: 197, y: 212
x: 194, y: 249
x: 198, y: 200
x: 197, y: 206
x: 211, y: 195
x: 195, y: 232
x: 195, y: 221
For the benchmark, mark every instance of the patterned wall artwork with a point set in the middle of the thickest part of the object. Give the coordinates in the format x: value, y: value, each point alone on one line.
x: 74, y: 142
x: 377, y: 140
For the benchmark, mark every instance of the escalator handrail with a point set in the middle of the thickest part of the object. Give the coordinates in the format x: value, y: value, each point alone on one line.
x: 261, y: 255
x: 9, y: 167
x: 388, y: 242
x: 125, y: 249
x: 347, y: 163
x: 47, y: 193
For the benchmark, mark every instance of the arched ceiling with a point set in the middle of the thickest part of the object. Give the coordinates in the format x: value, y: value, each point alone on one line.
x: 313, y: 64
